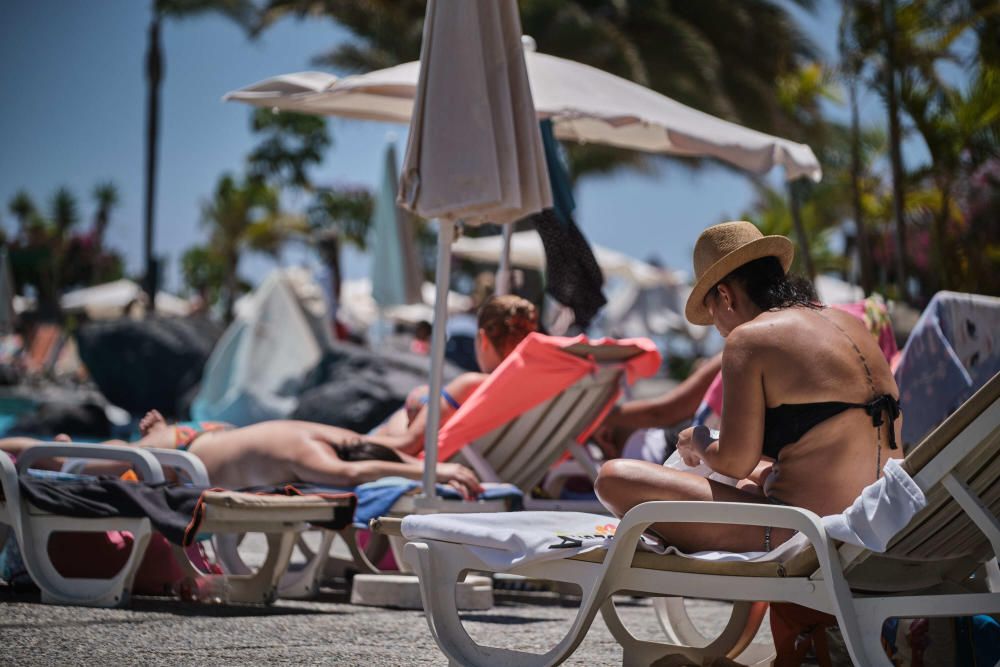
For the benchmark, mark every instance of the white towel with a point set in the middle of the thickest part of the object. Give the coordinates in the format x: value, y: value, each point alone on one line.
x: 504, y: 540
x: 881, y: 511
x: 507, y: 539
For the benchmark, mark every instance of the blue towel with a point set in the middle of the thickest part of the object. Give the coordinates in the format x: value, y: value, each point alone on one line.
x: 376, y: 498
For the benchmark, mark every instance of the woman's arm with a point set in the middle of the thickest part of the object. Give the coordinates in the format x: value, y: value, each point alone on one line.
x: 740, y: 445
x: 675, y: 406
x: 412, y: 442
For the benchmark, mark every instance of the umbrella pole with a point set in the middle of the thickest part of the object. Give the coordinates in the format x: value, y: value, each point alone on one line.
x: 503, y: 285
x: 442, y: 277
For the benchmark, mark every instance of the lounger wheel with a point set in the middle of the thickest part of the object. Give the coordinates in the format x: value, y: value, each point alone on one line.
x: 677, y: 625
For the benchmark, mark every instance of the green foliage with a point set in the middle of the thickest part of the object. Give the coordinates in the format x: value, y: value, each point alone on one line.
x: 204, y: 272
x: 47, y: 255
x: 242, y: 215
x: 292, y: 142
x: 345, y: 211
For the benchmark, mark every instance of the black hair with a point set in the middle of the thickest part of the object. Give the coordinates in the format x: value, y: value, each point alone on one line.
x: 365, y: 451
x: 770, y: 288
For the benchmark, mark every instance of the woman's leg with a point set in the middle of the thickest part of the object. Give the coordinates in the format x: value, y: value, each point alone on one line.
x: 625, y: 483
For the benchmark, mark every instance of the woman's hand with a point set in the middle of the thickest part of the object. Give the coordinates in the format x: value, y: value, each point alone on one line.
x: 686, y: 447
x: 692, y: 443
x: 461, y: 478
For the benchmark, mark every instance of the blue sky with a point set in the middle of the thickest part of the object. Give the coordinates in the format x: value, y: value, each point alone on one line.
x: 73, y: 113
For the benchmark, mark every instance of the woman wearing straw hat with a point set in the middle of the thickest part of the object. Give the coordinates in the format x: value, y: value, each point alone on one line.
x: 809, y: 409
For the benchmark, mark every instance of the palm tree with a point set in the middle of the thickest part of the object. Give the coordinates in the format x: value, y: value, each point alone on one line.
x: 240, y: 11
x: 23, y: 208
x: 337, y: 216
x: 243, y: 216
x: 851, y: 64
x: 961, y: 129
x: 107, y: 198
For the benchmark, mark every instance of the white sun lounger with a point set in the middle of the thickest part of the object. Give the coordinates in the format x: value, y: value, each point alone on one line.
x: 925, y: 570
x: 281, y: 518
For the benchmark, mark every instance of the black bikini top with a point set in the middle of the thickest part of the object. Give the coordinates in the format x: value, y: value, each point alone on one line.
x: 788, y: 422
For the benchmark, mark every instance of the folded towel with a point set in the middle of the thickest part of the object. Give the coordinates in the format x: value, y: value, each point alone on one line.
x: 881, y: 511
x: 507, y: 539
x: 376, y: 498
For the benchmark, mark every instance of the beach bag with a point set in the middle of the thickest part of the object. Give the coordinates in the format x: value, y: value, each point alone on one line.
x: 102, y: 555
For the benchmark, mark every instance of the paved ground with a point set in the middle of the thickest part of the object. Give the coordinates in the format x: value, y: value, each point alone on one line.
x: 164, y: 632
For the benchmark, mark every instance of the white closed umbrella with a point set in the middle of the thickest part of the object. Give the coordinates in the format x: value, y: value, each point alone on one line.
x: 474, y: 151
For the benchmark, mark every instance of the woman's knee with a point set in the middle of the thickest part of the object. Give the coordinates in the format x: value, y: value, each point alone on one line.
x: 614, y: 481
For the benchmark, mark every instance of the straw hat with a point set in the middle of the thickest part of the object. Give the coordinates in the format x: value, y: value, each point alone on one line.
x: 724, y: 248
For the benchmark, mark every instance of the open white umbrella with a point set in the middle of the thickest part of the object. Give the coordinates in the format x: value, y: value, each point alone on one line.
x: 585, y: 104
x: 527, y: 252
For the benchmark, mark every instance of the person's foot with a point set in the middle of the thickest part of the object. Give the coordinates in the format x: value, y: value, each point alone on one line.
x: 152, y: 422
x: 62, y: 437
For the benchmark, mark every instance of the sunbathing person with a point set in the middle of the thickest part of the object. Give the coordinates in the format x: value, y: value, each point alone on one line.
x: 275, y: 452
x: 804, y: 385
x: 504, y: 321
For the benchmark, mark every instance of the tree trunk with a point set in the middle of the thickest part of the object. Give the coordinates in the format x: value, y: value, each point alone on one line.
x: 864, y: 245
x: 942, y: 271
x: 231, y: 284
x: 154, y: 77
x: 895, y: 141
x: 800, y: 230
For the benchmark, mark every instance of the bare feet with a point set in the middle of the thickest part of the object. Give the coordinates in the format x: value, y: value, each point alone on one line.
x: 152, y: 422
x: 62, y: 437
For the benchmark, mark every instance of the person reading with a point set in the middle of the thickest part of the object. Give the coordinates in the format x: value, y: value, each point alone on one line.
x: 810, y: 408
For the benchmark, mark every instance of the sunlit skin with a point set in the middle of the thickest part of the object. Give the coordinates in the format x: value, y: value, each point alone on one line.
x: 792, y: 355
x: 275, y: 452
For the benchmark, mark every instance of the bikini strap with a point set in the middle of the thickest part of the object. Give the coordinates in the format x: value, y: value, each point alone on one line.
x: 877, y: 406
x: 861, y: 356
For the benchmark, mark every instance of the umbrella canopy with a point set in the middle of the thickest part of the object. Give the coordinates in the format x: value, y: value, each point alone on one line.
x: 527, y: 252
x: 111, y: 300
x: 396, y: 268
x: 585, y: 104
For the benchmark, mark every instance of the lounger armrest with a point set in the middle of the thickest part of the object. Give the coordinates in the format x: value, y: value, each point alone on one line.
x: 640, y: 517
x: 145, y: 463
x: 184, y: 462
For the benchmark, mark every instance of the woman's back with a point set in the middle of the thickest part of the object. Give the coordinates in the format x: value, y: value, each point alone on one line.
x: 813, y: 362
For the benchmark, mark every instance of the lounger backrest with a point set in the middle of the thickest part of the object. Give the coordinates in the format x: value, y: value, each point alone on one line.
x: 942, y: 535
x: 522, y: 451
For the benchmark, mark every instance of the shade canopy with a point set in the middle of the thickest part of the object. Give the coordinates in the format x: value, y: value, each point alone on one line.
x: 527, y: 252
x: 112, y: 299
x: 586, y: 104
